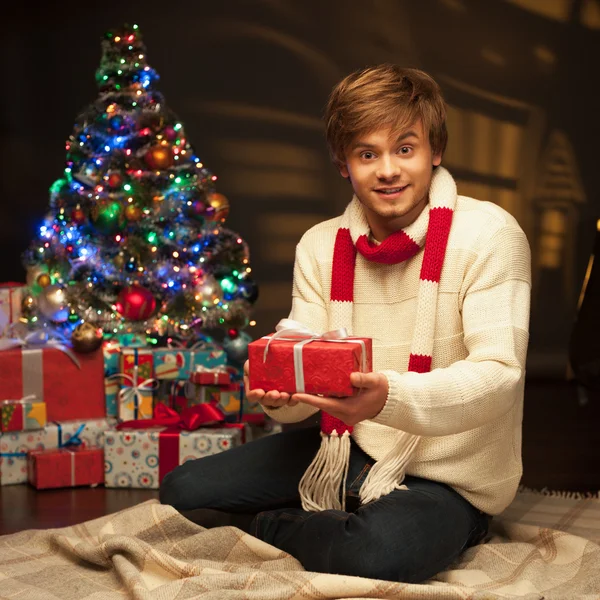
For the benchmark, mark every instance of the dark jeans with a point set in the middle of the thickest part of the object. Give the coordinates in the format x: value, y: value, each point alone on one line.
x: 407, y: 535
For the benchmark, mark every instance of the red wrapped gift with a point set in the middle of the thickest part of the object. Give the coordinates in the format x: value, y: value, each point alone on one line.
x: 300, y: 361
x: 210, y: 376
x: 65, y: 467
x: 71, y: 390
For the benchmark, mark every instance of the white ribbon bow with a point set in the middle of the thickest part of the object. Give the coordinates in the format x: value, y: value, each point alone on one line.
x: 36, y: 340
x: 291, y: 330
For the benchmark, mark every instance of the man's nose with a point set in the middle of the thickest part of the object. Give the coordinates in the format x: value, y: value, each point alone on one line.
x: 388, y: 167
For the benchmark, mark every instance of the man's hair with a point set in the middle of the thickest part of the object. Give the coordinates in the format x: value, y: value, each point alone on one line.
x: 384, y: 96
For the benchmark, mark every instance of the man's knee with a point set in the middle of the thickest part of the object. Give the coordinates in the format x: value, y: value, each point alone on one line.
x: 370, y: 555
x: 175, y: 489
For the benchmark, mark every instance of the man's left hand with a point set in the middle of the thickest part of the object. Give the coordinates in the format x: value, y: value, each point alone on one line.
x: 366, y: 404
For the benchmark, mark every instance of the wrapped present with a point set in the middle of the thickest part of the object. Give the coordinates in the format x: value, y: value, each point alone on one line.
x: 173, y: 394
x: 70, y: 383
x: 65, y: 467
x: 130, y: 340
x: 80, y: 432
x: 201, y: 394
x: 179, y: 363
x: 111, y: 350
x: 236, y: 407
x: 135, y: 398
x: 14, y: 447
x: 11, y: 297
x: 22, y: 415
x: 139, y: 457
x: 210, y: 376
x: 297, y: 360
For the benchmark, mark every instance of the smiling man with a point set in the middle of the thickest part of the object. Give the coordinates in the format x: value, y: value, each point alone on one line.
x: 441, y: 283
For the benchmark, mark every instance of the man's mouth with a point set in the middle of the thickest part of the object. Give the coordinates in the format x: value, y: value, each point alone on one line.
x: 390, y: 191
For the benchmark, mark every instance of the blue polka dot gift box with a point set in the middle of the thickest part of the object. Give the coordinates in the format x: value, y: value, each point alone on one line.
x: 15, y: 445
x: 140, y: 458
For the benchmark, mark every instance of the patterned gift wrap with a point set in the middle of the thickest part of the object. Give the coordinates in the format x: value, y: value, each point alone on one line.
x: 140, y: 458
x: 22, y: 415
x: 314, y: 366
x: 179, y: 363
x: 65, y: 467
x: 14, y: 447
x: 135, y: 398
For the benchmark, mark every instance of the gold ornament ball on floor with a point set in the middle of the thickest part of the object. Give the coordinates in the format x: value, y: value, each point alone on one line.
x: 53, y: 304
x: 86, y: 338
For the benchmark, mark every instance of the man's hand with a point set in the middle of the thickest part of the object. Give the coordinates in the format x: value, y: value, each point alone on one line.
x: 271, y: 399
x: 366, y: 404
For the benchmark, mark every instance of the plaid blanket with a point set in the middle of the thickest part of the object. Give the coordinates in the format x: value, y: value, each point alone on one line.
x: 543, y: 546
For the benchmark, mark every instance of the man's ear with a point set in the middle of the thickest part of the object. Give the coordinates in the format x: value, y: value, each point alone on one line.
x: 437, y: 159
x: 343, y: 169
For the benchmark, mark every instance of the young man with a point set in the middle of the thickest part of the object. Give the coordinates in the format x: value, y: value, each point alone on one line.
x: 441, y: 283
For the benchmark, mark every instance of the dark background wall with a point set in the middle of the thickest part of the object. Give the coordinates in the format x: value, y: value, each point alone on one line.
x: 249, y: 80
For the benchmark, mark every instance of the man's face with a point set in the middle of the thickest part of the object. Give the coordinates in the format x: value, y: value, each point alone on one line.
x: 390, y: 172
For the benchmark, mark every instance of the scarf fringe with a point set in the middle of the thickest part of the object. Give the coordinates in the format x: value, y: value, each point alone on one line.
x: 387, y: 474
x: 327, y: 474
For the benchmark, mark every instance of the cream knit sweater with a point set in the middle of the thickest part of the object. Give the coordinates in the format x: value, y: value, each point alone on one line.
x: 469, y: 407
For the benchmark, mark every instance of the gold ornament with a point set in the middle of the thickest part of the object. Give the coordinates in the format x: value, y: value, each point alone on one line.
x: 28, y: 306
x: 133, y: 212
x: 33, y: 273
x: 207, y: 291
x: 86, y: 338
x: 159, y: 157
x: 53, y: 303
x: 220, y: 206
x: 44, y: 280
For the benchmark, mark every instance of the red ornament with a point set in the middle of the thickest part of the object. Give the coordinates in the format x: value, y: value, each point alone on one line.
x: 136, y: 303
x: 115, y: 180
x: 170, y: 133
x: 78, y: 216
x: 233, y: 333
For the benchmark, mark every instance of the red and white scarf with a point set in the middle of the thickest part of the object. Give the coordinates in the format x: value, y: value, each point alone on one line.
x: 323, y: 484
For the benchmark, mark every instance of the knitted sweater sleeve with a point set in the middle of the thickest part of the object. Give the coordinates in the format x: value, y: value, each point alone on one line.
x: 308, y: 307
x: 494, y: 301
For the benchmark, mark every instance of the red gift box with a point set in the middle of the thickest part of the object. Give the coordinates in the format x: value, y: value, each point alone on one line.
x: 211, y: 377
x: 65, y: 467
x: 68, y: 391
x: 314, y: 366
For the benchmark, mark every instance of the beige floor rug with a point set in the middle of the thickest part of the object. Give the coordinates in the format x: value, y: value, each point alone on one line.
x: 545, y: 546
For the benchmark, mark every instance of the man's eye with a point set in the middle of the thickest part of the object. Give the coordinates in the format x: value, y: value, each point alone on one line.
x: 367, y: 155
x: 405, y: 150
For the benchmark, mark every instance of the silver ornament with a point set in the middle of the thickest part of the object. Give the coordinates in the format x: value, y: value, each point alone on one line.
x: 53, y: 303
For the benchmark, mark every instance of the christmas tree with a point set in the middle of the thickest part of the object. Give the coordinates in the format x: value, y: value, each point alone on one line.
x: 135, y: 239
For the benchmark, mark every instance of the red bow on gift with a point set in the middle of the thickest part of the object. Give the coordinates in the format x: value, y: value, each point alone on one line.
x: 191, y: 418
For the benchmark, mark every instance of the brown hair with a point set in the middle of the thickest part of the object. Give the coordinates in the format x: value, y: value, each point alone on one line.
x: 384, y: 96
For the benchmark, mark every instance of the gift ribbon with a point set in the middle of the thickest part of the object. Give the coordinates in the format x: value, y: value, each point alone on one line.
x: 192, y: 418
x: 135, y: 390
x: 218, y: 370
x: 74, y: 440
x: 32, y: 365
x: 22, y: 401
x: 290, y: 330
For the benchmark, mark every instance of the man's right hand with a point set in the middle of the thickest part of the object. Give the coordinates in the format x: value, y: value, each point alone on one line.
x: 271, y: 399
